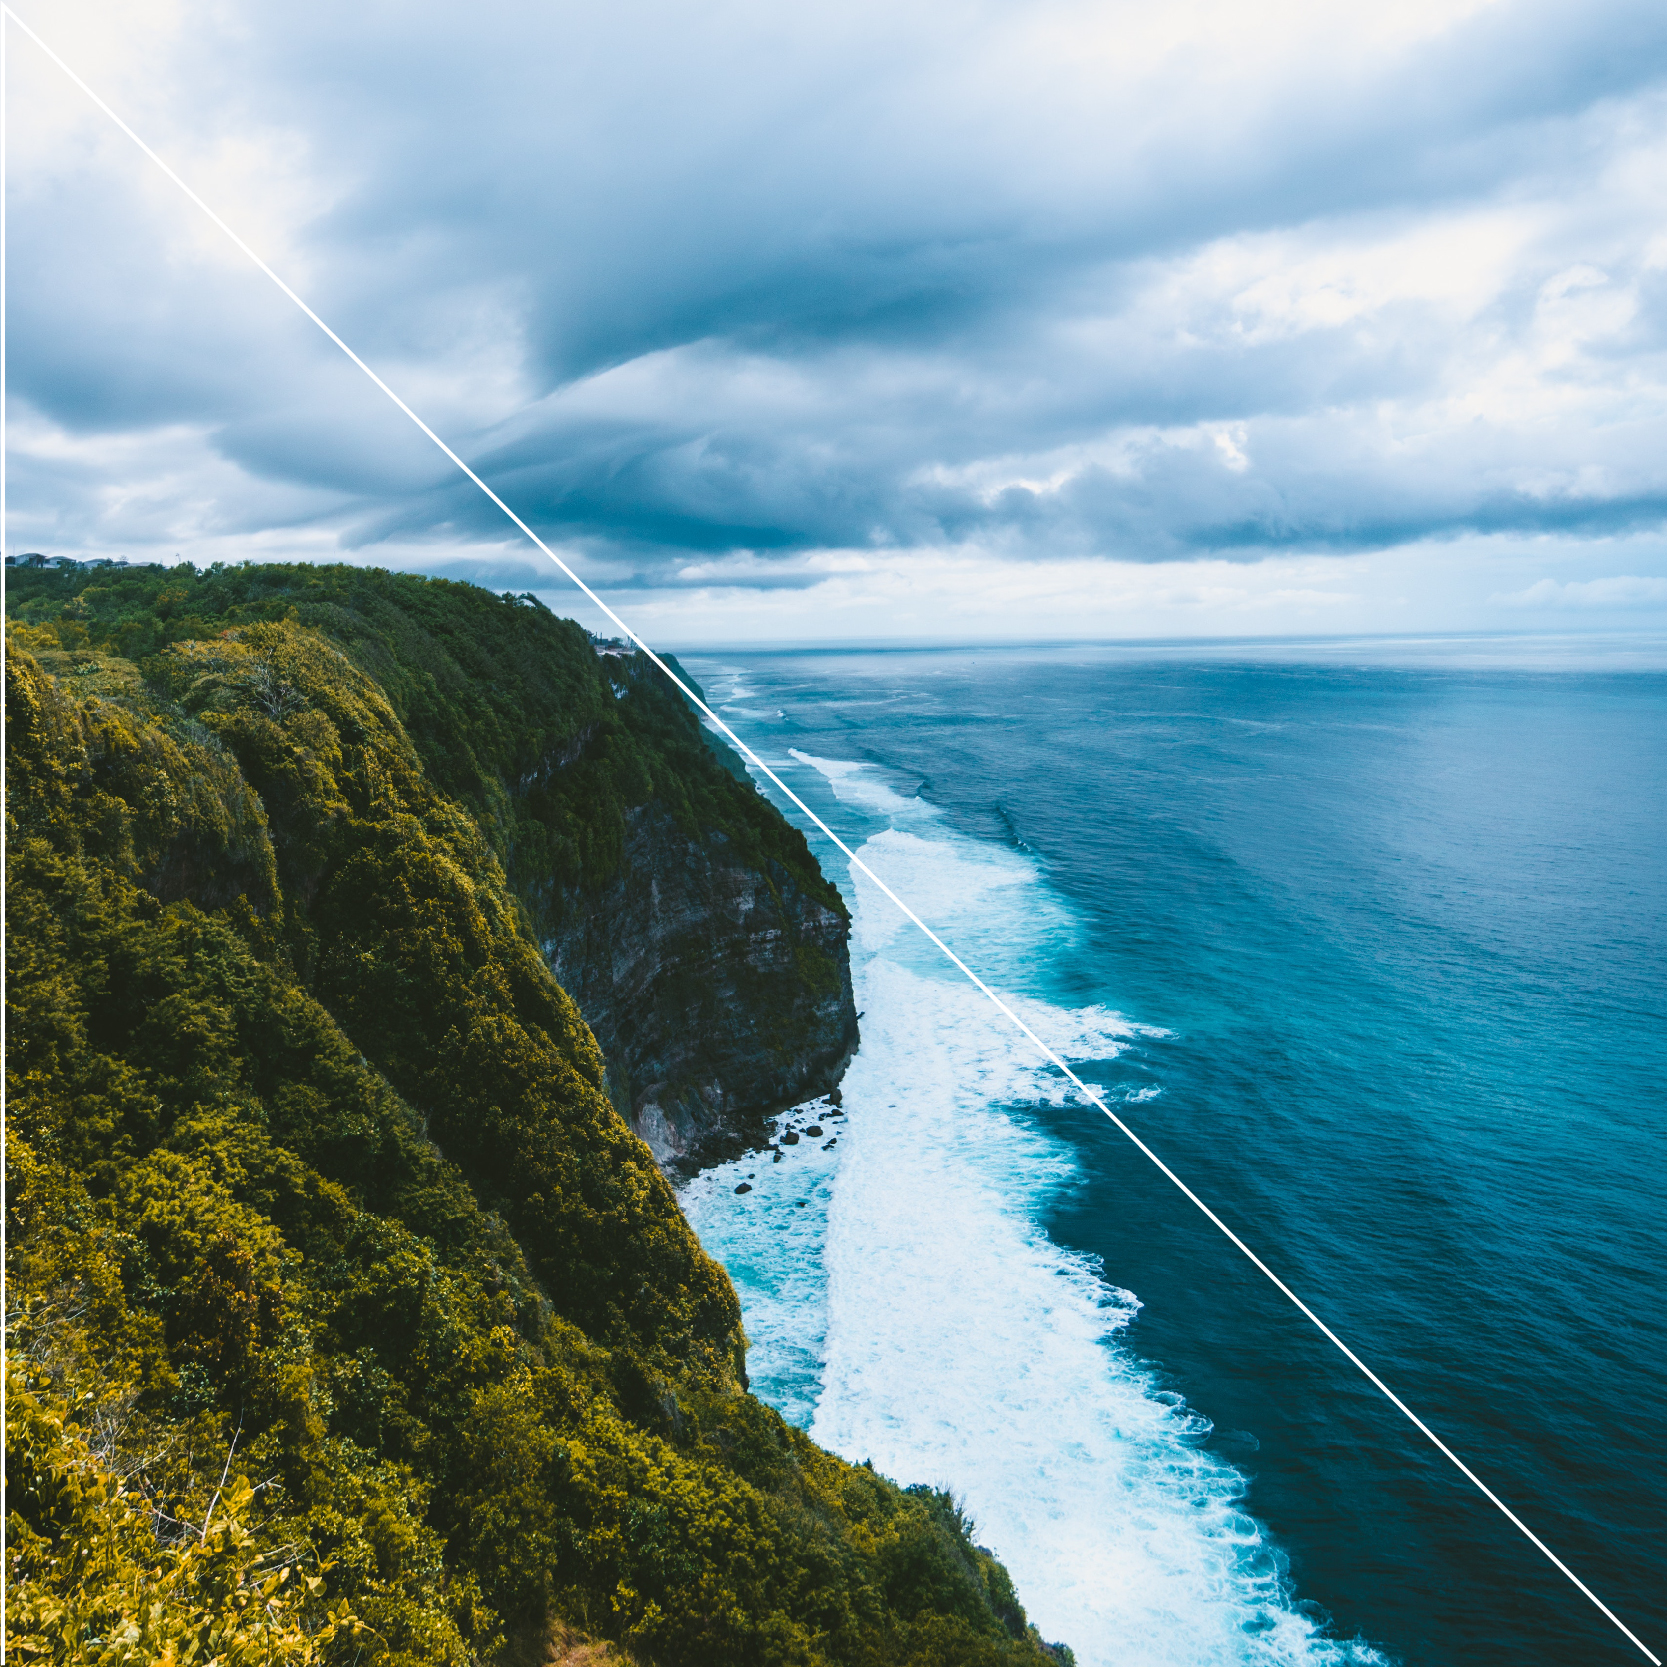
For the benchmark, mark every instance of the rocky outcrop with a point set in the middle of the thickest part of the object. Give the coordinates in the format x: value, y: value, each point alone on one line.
x: 718, y: 988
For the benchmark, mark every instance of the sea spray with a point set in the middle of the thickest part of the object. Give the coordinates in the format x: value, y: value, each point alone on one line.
x: 906, y: 1305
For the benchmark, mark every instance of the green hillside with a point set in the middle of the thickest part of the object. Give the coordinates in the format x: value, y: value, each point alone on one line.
x: 347, y: 1319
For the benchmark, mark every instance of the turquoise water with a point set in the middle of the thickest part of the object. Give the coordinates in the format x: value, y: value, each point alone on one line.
x: 1375, y: 955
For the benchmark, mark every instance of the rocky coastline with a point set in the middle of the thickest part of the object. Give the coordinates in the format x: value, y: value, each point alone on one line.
x: 718, y: 991
x: 715, y: 976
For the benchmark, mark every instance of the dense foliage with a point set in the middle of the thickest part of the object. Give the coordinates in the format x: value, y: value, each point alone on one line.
x: 510, y: 712
x: 347, y: 1319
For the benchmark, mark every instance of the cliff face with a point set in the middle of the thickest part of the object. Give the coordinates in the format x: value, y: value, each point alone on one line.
x: 712, y: 966
x: 718, y: 990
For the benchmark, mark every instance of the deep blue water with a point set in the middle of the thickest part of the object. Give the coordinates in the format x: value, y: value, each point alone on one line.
x: 1378, y: 955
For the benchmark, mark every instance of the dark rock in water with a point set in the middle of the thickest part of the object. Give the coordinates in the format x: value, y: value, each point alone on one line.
x: 834, y: 1097
x: 777, y: 1157
x: 744, y: 1187
x: 831, y: 1144
x: 814, y: 1131
x: 791, y: 1138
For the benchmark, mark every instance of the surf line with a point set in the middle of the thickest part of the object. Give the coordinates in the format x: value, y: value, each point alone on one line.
x: 1093, y: 1095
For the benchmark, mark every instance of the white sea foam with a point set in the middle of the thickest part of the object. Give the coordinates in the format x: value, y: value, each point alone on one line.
x: 860, y: 784
x: 726, y: 684
x: 915, y: 1313
x: 773, y: 1242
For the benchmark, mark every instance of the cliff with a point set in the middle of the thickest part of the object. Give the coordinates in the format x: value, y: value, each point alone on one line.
x: 348, y: 1319
x: 718, y: 984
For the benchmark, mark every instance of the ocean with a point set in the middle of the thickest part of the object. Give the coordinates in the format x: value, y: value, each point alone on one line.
x: 1369, y: 942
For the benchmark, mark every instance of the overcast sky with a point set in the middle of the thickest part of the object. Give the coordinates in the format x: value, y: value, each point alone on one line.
x: 857, y: 321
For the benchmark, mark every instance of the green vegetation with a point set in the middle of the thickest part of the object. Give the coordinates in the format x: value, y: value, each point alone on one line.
x: 347, y: 1319
x: 509, y: 711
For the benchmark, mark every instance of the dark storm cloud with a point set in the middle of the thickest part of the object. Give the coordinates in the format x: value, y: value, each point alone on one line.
x: 654, y: 176
x: 867, y: 278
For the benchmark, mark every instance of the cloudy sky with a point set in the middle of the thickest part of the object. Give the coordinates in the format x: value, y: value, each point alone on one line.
x: 857, y: 321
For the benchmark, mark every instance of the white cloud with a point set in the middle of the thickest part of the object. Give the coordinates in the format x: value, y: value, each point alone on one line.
x: 818, y: 304
x: 1623, y: 591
